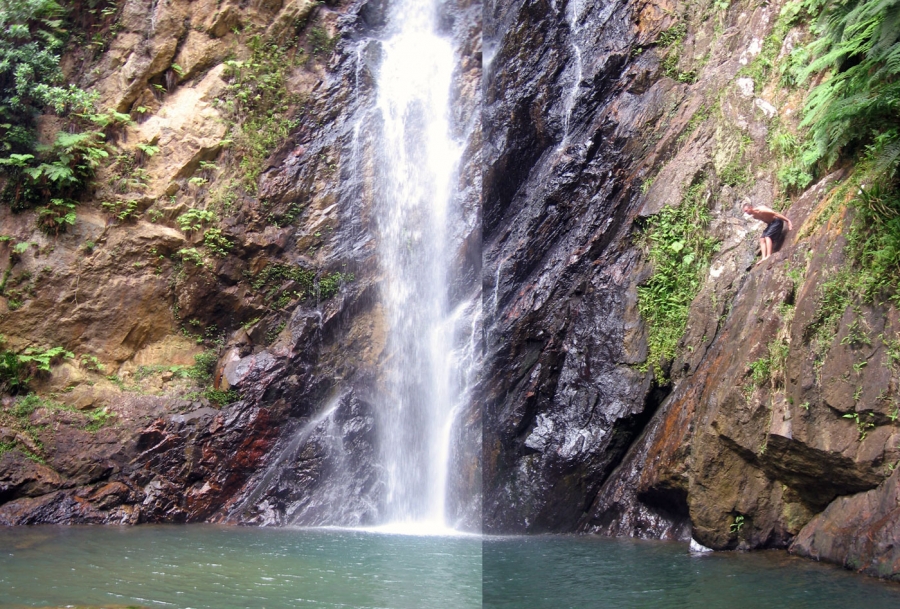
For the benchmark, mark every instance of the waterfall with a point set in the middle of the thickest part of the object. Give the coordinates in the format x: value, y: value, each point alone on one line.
x: 397, y: 446
x: 426, y: 372
x: 574, y: 8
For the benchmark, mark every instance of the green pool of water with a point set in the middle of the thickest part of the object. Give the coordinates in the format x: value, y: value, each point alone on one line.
x: 231, y: 567
x: 227, y: 567
x: 557, y: 572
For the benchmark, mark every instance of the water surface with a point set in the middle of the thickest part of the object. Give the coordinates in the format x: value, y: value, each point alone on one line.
x: 201, y: 566
x: 559, y: 572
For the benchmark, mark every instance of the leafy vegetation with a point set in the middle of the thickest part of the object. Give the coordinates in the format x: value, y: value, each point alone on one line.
x: 17, y: 369
x: 855, y: 108
x: 679, y: 250
x: 862, y: 425
x: 216, y: 242
x: 289, y: 282
x: 18, y: 416
x: 259, y: 104
x: 771, y: 367
x: 193, y: 220
x: 672, y: 40
x: 31, y: 83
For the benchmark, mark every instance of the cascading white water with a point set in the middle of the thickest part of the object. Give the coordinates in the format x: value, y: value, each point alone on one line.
x: 417, y: 165
x: 573, y: 9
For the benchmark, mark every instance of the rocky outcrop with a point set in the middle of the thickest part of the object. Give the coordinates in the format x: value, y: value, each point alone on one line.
x: 118, y: 291
x: 858, y: 532
x: 766, y: 429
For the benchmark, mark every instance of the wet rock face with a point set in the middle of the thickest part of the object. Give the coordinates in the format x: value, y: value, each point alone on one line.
x: 561, y: 400
x: 766, y: 420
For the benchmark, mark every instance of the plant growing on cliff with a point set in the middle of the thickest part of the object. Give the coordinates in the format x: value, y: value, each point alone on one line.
x: 194, y: 219
x: 17, y: 369
x: 56, y: 217
x: 216, y: 242
x: 862, y: 425
x: 32, y: 83
x: 259, y: 102
x: 679, y: 249
x: 855, y: 108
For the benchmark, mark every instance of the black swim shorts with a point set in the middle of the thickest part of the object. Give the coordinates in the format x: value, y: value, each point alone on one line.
x: 773, y: 229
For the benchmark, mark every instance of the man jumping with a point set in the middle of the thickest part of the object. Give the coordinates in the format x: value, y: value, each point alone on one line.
x: 774, y: 225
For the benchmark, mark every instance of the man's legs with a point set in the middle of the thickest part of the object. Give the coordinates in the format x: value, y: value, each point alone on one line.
x: 765, y: 247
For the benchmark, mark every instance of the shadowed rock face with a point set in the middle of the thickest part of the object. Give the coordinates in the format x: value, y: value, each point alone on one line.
x: 561, y: 400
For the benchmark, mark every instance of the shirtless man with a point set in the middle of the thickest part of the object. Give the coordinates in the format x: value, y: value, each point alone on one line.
x: 774, y: 225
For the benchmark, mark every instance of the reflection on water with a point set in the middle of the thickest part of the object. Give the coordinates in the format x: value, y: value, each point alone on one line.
x: 559, y: 572
x: 224, y: 568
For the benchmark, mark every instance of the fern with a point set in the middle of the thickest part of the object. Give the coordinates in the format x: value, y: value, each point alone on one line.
x: 854, y: 114
x: 855, y: 111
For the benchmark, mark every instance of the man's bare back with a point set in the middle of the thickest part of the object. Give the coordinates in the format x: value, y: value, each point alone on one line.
x: 774, y: 224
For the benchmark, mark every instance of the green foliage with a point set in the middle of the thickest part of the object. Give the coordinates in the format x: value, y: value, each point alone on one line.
x: 673, y: 35
x: 61, y: 170
x: 90, y: 362
x: 835, y: 296
x: 290, y: 282
x: 679, y: 250
x: 16, y: 370
x: 31, y: 83
x: 148, y: 150
x: 765, y: 62
x: 128, y: 176
x: 121, y: 210
x: 258, y: 101
x: 856, y: 108
x: 273, y: 333
x: 216, y: 242
x: 672, y: 40
x: 109, y: 121
x: 737, y: 525
x: 221, y: 397
x: 194, y: 219
x: 670, y: 68
x: 204, y: 366
x: 862, y: 425
x: 43, y: 359
x: 192, y: 255
x: 761, y: 370
x: 56, y: 217
x: 330, y: 284
x: 31, y: 38
x: 873, y: 243
x: 320, y: 42
x: 770, y: 367
x: 735, y: 173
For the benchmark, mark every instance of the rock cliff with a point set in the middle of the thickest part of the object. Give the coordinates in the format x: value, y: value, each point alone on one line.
x: 773, y: 425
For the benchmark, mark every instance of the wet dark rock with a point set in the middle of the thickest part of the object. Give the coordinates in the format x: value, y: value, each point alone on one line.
x: 576, y: 437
